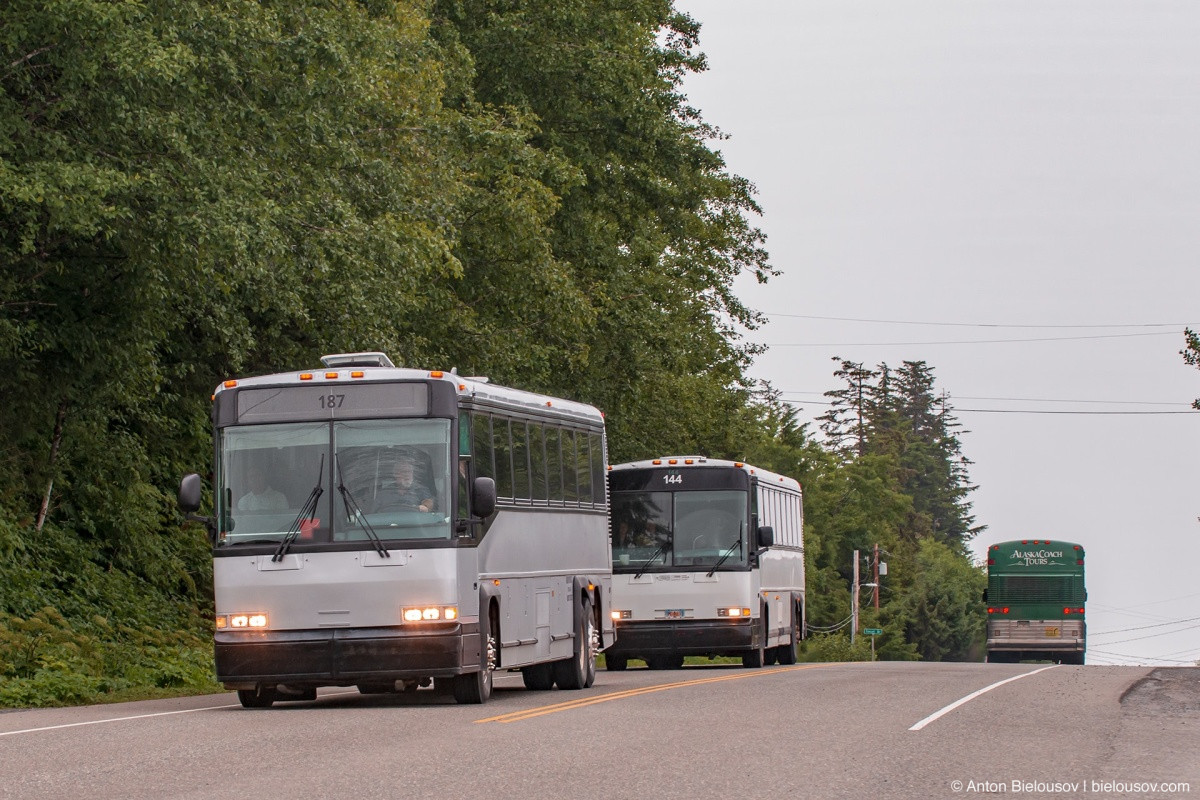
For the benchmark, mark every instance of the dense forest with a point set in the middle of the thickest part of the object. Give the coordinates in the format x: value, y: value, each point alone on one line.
x: 191, y: 191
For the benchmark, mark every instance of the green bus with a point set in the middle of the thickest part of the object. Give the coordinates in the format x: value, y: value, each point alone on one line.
x: 1035, y: 602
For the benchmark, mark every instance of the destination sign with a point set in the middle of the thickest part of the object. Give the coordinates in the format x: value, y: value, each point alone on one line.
x: 330, y: 401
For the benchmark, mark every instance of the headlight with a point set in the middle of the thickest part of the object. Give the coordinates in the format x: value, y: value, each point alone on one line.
x: 256, y: 620
x: 429, y: 613
x: 622, y: 614
x: 733, y: 612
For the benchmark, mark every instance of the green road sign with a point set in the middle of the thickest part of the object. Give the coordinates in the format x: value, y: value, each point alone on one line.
x: 873, y: 631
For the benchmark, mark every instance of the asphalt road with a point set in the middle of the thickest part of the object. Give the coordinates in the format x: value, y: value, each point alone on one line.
x: 881, y: 730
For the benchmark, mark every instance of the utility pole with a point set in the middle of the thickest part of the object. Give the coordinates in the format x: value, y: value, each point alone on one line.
x: 875, y: 591
x: 854, y: 601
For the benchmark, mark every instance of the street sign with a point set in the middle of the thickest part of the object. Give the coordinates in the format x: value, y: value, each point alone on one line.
x: 873, y: 631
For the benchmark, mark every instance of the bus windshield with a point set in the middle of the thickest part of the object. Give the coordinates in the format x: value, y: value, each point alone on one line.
x: 335, y: 482
x: 678, y: 529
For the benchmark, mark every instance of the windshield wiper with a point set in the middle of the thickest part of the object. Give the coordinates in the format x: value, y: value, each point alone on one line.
x: 728, y: 552
x: 661, y: 549
x: 353, y: 509
x: 309, y: 509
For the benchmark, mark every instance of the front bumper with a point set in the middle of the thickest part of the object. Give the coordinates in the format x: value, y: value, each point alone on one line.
x: 346, y: 656
x: 686, y: 638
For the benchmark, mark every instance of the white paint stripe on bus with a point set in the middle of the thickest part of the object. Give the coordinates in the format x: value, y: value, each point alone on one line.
x: 944, y: 711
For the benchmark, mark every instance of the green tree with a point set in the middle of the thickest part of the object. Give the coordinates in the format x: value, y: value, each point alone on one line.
x: 649, y: 231
x: 943, y: 612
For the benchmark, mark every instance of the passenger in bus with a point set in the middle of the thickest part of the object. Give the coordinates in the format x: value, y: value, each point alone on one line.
x: 261, y: 496
x: 407, y: 492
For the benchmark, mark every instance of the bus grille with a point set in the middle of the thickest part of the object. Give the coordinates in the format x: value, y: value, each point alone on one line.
x: 1017, y: 589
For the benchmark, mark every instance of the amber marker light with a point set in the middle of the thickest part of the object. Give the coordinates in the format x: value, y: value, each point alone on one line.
x: 306, y: 376
x: 229, y: 384
x: 437, y: 373
x: 331, y: 376
x: 358, y: 373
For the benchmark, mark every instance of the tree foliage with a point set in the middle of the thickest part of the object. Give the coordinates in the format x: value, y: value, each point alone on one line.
x: 191, y: 191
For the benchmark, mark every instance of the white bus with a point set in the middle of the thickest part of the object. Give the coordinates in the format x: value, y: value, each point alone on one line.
x: 708, y: 560
x: 393, y: 528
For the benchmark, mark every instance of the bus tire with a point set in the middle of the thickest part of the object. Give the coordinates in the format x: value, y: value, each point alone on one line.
x: 572, y: 673
x: 787, y: 652
x: 476, y: 687
x: 258, y: 697
x: 757, y: 657
x: 538, y: 677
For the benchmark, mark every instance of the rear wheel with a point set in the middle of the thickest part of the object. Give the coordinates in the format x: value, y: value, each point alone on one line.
x: 258, y: 697
x: 572, y: 673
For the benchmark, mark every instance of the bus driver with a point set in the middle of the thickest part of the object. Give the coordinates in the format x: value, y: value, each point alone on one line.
x: 407, y: 493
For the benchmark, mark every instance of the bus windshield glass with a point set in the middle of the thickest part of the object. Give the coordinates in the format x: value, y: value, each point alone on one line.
x: 334, y: 482
x: 657, y: 530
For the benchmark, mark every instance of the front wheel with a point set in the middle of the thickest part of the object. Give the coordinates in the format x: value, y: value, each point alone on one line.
x: 574, y: 672
x: 758, y: 656
x: 476, y: 687
x: 258, y: 697
x: 787, y: 652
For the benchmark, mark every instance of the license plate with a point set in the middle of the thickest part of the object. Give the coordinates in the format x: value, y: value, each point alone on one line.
x: 1052, y: 632
x: 673, y: 613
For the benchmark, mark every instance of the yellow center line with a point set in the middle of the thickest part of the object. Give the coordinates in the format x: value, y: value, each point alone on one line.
x: 529, y: 713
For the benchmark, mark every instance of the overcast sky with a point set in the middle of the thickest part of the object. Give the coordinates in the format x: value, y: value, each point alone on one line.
x: 1020, y: 174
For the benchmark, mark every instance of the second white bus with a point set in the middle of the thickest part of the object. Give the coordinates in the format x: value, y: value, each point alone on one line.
x: 708, y: 560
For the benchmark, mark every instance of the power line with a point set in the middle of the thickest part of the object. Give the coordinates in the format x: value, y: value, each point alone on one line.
x: 1024, y: 411
x: 970, y: 341
x: 1143, y: 658
x: 1144, y: 627
x: 1036, y: 399
x: 1151, y: 636
x: 983, y: 324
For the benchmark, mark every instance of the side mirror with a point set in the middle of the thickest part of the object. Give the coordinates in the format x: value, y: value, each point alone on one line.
x: 483, y: 497
x: 189, y: 493
x: 985, y: 595
x: 766, y: 537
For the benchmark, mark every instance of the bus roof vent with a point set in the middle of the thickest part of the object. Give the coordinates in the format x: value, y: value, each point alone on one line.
x: 357, y: 360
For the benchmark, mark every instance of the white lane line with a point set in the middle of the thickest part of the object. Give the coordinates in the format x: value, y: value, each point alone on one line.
x: 943, y: 712
x: 115, y: 719
x: 137, y: 716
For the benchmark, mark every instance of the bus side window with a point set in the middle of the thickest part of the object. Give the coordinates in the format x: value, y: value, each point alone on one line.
x: 464, y: 486
x: 554, y: 465
x: 503, y: 448
x: 520, y: 457
x: 583, y: 467
x: 598, y: 482
x: 569, y: 473
x: 537, y: 460
x: 481, y: 440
